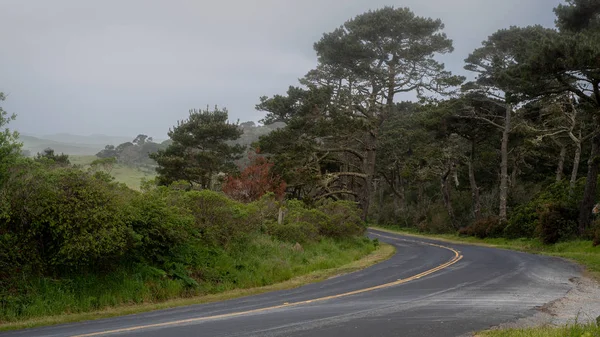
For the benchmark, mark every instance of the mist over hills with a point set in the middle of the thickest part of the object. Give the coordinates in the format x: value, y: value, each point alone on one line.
x: 69, y: 143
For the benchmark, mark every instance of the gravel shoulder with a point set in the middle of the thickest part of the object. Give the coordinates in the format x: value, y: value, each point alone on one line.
x: 580, y: 305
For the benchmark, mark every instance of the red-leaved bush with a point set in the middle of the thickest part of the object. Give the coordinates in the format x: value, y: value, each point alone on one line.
x: 256, y: 180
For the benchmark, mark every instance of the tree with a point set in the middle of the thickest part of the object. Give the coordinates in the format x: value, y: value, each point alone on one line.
x: 254, y: 181
x: 9, y: 145
x: 106, y: 164
x: 455, y: 118
x: 566, y: 61
x: 363, y: 65
x: 57, y: 159
x: 108, y: 152
x: 199, y: 150
x: 494, y: 84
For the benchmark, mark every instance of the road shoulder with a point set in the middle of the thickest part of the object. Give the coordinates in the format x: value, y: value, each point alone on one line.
x: 579, y: 306
x: 384, y: 252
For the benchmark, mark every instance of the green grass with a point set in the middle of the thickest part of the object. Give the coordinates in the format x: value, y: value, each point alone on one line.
x: 129, y: 176
x: 580, y: 251
x: 573, y: 330
x: 257, y: 266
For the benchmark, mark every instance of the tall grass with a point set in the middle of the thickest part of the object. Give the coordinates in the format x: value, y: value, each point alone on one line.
x: 257, y: 261
x: 572, y: 330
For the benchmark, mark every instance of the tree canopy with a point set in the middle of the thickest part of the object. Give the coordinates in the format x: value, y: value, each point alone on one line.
x: 199, y: 150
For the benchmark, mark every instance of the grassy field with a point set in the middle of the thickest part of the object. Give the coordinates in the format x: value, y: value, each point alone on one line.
x: 275, y: 266
x: 130, y: 176
x: 580, y: 251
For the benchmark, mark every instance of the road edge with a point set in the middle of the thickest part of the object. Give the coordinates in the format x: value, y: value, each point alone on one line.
x: 383, y: 253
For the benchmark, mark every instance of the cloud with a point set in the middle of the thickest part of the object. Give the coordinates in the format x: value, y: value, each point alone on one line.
x: 137, y: 66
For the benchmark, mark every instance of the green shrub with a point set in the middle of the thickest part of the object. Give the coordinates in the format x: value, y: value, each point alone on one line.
x: 523, y: 221
x: 218, y: 219
x: 61, y: 219
x: 313, y: 216
x: 266, y: 209
x: 343, y: 219
x: 484, y: 228
x: 158, y: 228
x: 557, y: 222
x: 301, y: 232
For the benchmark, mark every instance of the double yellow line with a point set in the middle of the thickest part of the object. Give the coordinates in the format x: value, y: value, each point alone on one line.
x: 457, y: 257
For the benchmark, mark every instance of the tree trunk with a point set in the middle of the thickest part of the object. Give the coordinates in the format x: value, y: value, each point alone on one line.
x: 561, y: 163
x: 445, y: 188
x: 504, y: 164
x: 576, y: 162
x: 381, y: 201
x: 420, y: 193
x: 473, y: 182
x: 589, y: 194
x: 369, y: 170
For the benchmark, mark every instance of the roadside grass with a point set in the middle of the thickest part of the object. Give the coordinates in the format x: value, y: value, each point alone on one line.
x: 127, y: 175
x: 580, y: 251
x: 572, y: 330
x: 271, y: 265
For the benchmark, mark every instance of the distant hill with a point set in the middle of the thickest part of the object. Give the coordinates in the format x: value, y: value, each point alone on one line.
x: 71, y: 144
x: 35, y: 145
x: 96, y: 139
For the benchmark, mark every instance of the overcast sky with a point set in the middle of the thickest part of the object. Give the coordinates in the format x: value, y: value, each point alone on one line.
x: 137, y: 66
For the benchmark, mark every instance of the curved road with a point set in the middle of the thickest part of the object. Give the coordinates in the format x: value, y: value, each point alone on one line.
x: 427, y: 288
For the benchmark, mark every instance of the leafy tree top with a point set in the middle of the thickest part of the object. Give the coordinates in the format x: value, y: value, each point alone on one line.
x: 578, y: 15
x: 389, y: 46
x: 199, y: 149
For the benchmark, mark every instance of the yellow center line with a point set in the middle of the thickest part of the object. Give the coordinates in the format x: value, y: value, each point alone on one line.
x: 457, y: 257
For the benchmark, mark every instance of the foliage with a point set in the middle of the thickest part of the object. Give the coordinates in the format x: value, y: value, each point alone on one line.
x: 254, y: 181
x: 301, y: 232
x: 61, y: 219
x: 9, y: 145
x: 48, y: 156
x: 159, y: 228
x: 489, y: 227
x: 524, y: 219
x: 107, y: 164
x: 258, y: 262
x: 344, y: 219
x: 104, y: 244
x: 134, y: 154
x: 331, y: 138
x: 556, y: 222
x: 199, y: 150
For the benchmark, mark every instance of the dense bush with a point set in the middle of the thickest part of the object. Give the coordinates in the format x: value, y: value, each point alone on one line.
x: 343, y: 219
x: 158, y: 228
x: 218, y: 219
x: 524, y: 220
x: 60, y: 219
x: 301, y: 232
x: 557, y: 222
x: 92, y: 236
x: 484, y: 228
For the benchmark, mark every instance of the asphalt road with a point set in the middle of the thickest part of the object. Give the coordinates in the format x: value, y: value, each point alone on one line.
x: 427, y: 289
